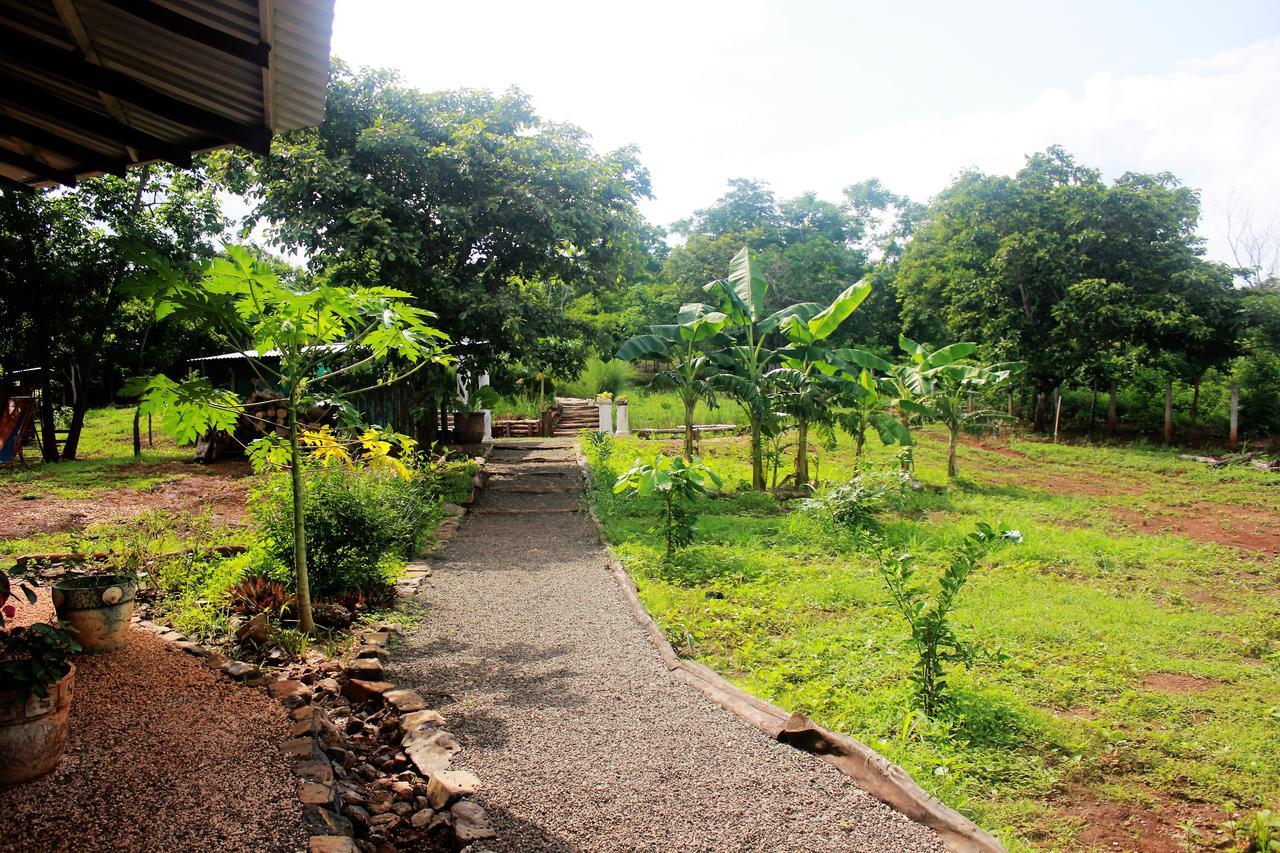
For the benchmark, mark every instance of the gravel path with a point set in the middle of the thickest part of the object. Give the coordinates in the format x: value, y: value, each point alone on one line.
x: 164, y: 755
x: 582, y: 739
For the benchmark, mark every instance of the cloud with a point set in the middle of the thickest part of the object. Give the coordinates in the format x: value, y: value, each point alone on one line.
x: 1214, y: 122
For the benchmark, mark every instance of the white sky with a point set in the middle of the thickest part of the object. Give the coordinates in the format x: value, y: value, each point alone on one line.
x: 813, y: 95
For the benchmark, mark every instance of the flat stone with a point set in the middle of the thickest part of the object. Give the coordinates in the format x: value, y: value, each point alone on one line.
x: 452, y: 509
x: 377, y: 652
x: 366, y: 691
x: 255, y: 632
x: 421, y: 818
x: 322, y: 821
x: 172, y: 636
x: 430, y: 749
x: 331, y: 844
x: 239, y: 670
x: 470, y: 822
x: 194, y: 649
x: 317, y: 770
x: 328, y: 685
x: 375, y: 638
x: 449, y: 785
x: 315, y: 793
x: 301, y: 747
x: 421, y: 719
x: 365, y: 669
x: 291, y: 693
x: 405, y: 701
x: 444, y: 534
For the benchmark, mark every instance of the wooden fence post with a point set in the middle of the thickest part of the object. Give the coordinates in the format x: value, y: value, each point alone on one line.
x: 1057, y: 412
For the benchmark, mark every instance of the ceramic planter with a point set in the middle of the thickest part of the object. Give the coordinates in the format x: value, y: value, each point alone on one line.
x: 33, y: 731
x: 98, y: 607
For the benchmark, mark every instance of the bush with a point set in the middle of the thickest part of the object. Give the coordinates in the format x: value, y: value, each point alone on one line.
x: 614, y: 376
x: 355, y: 520
x: 855, y: 505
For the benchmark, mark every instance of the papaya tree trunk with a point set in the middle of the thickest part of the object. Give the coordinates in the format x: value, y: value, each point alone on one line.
x: 757, y: 460
x: 689, y: 406
x: 952, y: 468
x: 802, y: 453
x: 299, y: 527
x: 137, y: 431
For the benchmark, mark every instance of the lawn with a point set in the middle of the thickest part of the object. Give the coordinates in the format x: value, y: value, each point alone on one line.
x: 1138, y: 705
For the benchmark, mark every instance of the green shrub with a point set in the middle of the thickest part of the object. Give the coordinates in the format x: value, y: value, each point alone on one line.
x: 614, y: 376
x: 355, y: 519
x: 856, y: 505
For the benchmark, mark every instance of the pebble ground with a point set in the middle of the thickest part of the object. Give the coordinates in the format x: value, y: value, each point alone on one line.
x: 582, y: 739
x: 164, y: 754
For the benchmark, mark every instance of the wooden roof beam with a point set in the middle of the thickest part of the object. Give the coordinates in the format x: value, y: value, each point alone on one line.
x: 43, y: 171
x: 10, y: 183
x: 259, y: 52
x: 30, y: 98
x: 45, y: 58
x: 47, y: 140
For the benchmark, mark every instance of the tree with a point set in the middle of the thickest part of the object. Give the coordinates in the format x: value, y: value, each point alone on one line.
x: 67, y: 258
x: 331, y: 341
x: 465, y: 199
x: 686, y: 349
x: 1052, y: 267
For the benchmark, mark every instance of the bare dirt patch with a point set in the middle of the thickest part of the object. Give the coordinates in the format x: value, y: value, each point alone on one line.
x: 1146, y: 827
x: 219, y: 488
x: 1235, y: 526
x: 1172, y: 682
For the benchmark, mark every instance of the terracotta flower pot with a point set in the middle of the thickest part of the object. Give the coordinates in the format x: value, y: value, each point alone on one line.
x: 33, y: 731
x: 98, y: 607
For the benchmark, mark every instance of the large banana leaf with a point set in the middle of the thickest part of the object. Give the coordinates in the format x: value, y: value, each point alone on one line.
x: 861, y: 358
x: 950, y: 354
x: 645, y: 346
x: 829, y: 319
x: 748, y: 284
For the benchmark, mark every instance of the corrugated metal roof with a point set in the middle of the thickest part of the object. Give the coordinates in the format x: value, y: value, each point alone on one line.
x: 271, y: 353
x: 90, y: 86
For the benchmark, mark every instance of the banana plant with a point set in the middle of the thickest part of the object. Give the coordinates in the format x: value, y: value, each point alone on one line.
x: 949, y: 379
x: 685, y: 347
x: 869, y: 399
x: 799, y: 386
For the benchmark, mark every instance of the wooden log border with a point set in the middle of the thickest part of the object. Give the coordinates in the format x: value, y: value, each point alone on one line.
x: 870, y: 770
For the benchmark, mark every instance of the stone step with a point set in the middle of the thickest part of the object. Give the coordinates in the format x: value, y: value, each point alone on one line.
x: 535, y: 489
x: 524, y: 511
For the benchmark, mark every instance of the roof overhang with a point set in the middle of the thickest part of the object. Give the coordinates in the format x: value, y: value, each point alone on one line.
x: 94, y: 86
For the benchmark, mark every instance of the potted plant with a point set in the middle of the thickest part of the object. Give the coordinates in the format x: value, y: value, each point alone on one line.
x: 604, y: 400
x: 36, y: 677
x: 98, y: 607
x: 468, y: 414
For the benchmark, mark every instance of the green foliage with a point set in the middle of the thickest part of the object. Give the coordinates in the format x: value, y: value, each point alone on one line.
x: 356, y: 521
x: 1261, y: 832
x: 32, y: 657
x: 676, y: 483
x: 614, y: 376
x: 855, y: 506
x: 932, y: 635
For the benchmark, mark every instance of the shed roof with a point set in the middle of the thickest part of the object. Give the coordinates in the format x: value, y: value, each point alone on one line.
x: 93, y: 86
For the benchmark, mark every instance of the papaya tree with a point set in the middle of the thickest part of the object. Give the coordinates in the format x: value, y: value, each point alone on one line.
x: 314, y: 343
x: 685, y: 348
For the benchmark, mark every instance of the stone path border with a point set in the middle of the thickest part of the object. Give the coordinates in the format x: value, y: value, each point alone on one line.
x: 874, y: 773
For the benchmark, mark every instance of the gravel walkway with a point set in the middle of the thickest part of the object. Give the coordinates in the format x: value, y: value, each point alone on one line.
x: 164, y: 755
x: 582, y: 739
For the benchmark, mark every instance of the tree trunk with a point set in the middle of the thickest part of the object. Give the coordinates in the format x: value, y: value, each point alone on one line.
x: 48, y: 427
x: 1093, y: 408
x: 802, y: 453
x: 137, y: 432
x: 757, y: 462
x: 79, y: 406
x: 1195, y: 402
x: 688, y: 429
x: 1037, y: 419
x: 952, y: 468
x: 299, y: 527
x: 1235, y: 414
x: 1168, y: 411
x: 1111, y: 409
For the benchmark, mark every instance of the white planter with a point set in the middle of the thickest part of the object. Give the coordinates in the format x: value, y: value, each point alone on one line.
x: 488, y: 424
x: 606, y: 416
x: 623, y: 427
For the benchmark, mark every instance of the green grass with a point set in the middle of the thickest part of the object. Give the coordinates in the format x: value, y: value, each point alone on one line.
x: 1087, y: 609
x: 106, y: 461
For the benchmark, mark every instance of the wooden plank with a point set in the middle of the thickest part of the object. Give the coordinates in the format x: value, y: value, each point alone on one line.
x: 504, y: 511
